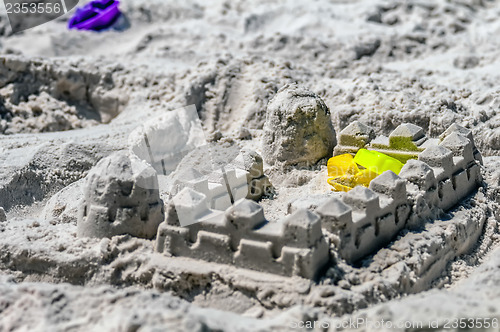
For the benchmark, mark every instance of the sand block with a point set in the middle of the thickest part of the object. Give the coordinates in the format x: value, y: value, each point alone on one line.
x: 190, y: 206
x: 213, y: 247
x: 172, y: 240
x: 356, y: 134
x: 466, y: 133
x: 249, y: 249
x: 335, y: 215
x: 407, y: 136
x: 353, y: 137
x: 440, y: 159
x: 308, y: 263
x: 420, y: 174
x: 302, y: 229
x: 437, y: 156
x: 460, y: 146
x: 456, y: 128
x: 362, y: 199
x: 245, y: 215
x: 390, y: 185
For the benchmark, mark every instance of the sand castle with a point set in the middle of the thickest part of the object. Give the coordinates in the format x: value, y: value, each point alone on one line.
x: 364, y: 220
x: 212, y: 213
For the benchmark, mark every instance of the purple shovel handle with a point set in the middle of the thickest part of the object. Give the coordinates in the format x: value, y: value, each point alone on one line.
x: 96, y: 15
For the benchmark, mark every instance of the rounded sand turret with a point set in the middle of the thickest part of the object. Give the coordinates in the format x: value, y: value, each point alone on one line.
x: 298, y: 128
x: 121, y: 196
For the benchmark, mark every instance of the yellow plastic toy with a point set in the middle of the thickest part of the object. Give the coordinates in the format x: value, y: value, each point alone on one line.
x: 342, y: 165
x: 344, y: 172
x: 377, y: 162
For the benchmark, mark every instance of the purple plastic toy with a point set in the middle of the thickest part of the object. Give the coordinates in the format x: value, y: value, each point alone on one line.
x: 96, y: 15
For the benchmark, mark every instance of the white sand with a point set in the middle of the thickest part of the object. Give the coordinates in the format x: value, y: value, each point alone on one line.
x: 68, y: 98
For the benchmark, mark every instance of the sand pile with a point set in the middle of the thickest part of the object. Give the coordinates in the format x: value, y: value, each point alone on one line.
x: 40, y: 96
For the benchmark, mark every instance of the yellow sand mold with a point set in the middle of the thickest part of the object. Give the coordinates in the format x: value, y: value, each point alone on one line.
x: 344, y: 172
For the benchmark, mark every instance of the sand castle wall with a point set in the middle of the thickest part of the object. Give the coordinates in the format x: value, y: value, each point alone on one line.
x: 241, y: 236
x: 437, y: 175
x: 446, y: 171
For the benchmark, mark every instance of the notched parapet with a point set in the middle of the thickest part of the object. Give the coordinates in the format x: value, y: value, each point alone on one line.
x: 367, y: 219
x: 438, y: 173
x: 404, y: 143
x: 243, y: 237
x: 466, y: 133
x: 242, y: 178
x: 420, y: 174
x: 440, y: 159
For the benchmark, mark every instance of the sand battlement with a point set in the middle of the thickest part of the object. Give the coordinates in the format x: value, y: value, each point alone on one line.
x: 446, y: 171
x: 241, y: 236
x: 362, y: 221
